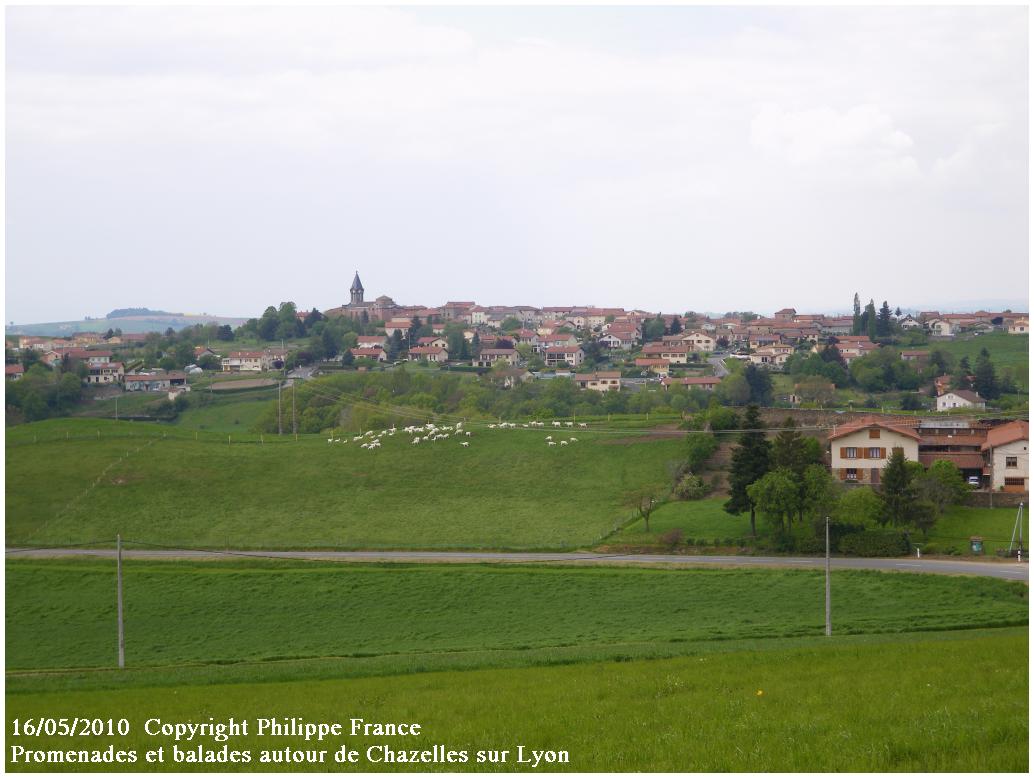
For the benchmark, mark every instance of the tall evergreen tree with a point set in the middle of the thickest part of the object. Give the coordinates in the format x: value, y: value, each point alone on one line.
x: 984, y: 379
x: 962, y: 373
x: 760, y: 383
x: 883, y: 321
x: 856, y: 324
x: 676, y: 326
x: 750, y: 462
x: 899, y: 494
x: 870, y: 320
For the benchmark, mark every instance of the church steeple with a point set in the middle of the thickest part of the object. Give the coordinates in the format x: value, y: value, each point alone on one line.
x: 357, y: 289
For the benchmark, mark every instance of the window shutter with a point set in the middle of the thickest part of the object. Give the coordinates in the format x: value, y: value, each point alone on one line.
x: 843, y: 452
x: 883, y: 453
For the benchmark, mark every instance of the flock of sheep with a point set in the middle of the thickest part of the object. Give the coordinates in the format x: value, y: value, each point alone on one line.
x: 432, y: 433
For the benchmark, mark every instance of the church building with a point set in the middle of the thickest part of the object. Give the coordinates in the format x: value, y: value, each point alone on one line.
x: 381, y: 309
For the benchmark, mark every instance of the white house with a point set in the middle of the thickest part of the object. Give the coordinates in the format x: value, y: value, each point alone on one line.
x: 960, y: 398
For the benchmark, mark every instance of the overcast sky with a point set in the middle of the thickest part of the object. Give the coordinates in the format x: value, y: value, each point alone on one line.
x: 221, y: 160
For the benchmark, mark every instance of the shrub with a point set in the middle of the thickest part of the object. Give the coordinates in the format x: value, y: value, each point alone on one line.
x: 811, y: 545
x: 690, y: 542
x: 875, y: 544
x: 691, y: 487
x: 672, y: 538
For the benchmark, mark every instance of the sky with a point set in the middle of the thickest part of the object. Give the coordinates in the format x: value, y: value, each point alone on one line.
x: 220, y: 160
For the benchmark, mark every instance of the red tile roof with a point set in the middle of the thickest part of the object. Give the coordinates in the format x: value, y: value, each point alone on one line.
x: 867, y: 422
x: 1007, y: 433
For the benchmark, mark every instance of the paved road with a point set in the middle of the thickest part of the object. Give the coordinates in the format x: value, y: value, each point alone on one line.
x: 720, y: 370
x: 1008, y: 570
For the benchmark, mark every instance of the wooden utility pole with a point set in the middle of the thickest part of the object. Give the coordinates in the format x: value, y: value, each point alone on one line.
x: 279, y: 423
x: 121, y: 625
x: 829, y: 624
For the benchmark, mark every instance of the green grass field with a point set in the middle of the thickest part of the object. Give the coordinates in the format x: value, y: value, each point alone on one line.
x: 927, y: 704
x: 696, y: 518
x: 1006, y: 351
x: 959, y: 523
x: 159, y: 484
x: 60, y: 614
x: 236, y: 413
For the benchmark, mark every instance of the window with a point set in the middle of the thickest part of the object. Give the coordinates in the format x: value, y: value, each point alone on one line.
x: 1010, y: 461
x: 852, y: 474
x: 851, y: 453
x: 874, y: 434
x: 874, y: 453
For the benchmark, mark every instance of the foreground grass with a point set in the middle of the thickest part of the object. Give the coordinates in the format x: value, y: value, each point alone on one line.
x: 60, y: 614
x: 954, y: 529
x: 925, y: 704
x: 159, y: 484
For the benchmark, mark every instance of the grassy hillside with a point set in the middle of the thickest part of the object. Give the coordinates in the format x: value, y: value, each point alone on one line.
x: 160, y: 484
x: 1006, y: 351
x: 955, y: 702
x: 61, y: 614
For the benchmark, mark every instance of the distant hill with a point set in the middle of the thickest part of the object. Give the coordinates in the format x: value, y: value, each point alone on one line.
x: 148, y: 321
x: 119, y: 313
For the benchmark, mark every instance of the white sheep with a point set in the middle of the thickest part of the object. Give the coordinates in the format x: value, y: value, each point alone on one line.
x: 568, y: 423
x: 549, y: 437
x: 574, y: 440
x: 491, y: 426
x: 467, y: 433
x: 416, y: 440
x: 330, y: 440
x: 563, y: 442
x: 551, y: 443
x: 464, y: 444
x: 556, y: 424
x: 583, y: 425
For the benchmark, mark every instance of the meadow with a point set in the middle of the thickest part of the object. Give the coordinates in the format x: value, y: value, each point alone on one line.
x: 936, y: 702
x: 60, y: 614
x: 705, y: 522
x: 1006, y: 351
x: 171, y: 485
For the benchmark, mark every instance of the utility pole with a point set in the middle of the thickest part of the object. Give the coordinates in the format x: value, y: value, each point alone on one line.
x: 294, y: 418
x: 116, y: 407
x: 279, y: 423
x: 829, y: 625
x: 121, y: 626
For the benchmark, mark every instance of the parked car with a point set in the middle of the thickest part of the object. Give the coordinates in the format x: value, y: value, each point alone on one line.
x: 973, y: 480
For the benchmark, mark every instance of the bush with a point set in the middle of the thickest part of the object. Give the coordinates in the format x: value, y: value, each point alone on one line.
x: 811, y: 545
x: 691, y: 487
x: 875, y: 544
x: 672, y: 538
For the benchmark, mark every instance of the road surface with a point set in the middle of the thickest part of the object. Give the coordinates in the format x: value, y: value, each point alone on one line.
x: 1008, y: 570
x: 720, y: 370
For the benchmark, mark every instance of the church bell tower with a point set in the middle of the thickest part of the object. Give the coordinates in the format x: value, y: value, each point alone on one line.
x: 357, y: 289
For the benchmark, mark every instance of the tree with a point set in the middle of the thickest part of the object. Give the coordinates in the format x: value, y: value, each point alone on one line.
x: 859, y: 505
x: 942, y: 485
x: 984, y: 379
x: 645, y: 502
x: 676, y: 326
x: 856, y: 322
x: 899, y: 492
x: 961, y: 379
x: 734, y: 389
x: 870, y: 320
x: 225, y: 332
x: 750, y: 462
x: 760, y: 383
x: 700, y: 446
x: 509, y: 324
x: 653, y: 329
x: 776, y: 496
x: 883, y: 321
